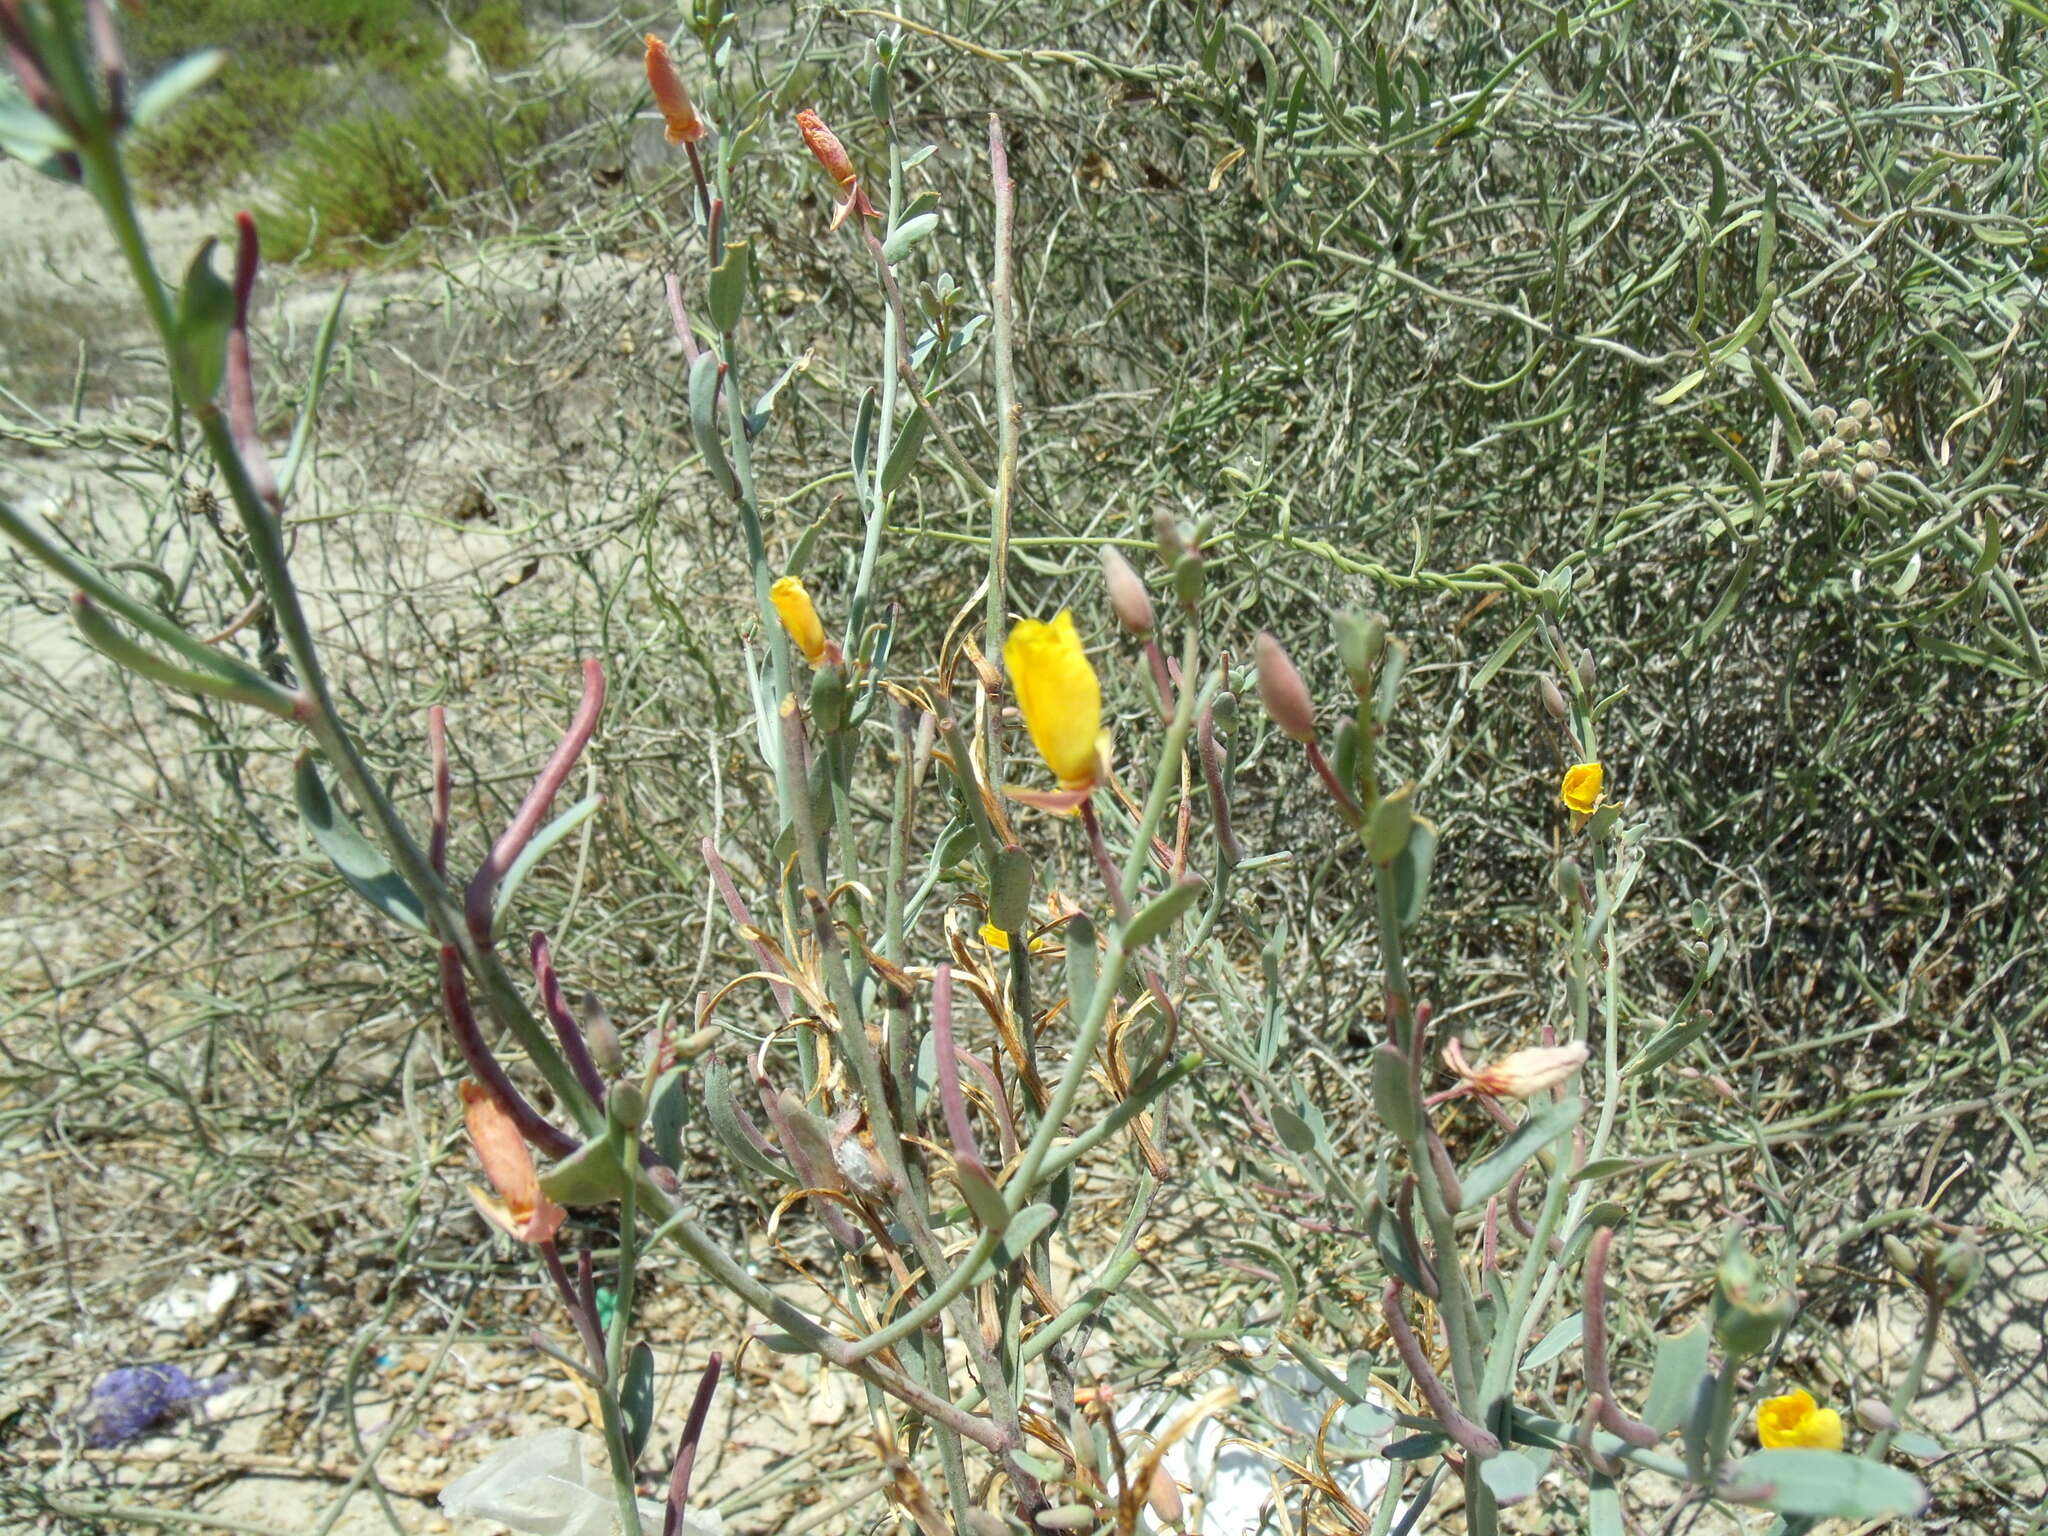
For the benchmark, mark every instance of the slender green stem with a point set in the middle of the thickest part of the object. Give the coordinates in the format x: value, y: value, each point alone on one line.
x: 108, y: 180
x: 1909, y: 1384
x: 609, y: 1395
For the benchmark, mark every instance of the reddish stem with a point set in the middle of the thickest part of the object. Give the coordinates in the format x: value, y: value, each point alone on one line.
x: 1612, y: 1419
x: 1346, y: 806
x: 479, y: 898
x: 951, y: 1100
x: 574, y: 1049
x: 1219, y: 801
x: 700, y: 1410
x: 241, y: 384
x: 737, y: 906
x: 437, y: 747
x: 1477, y: 1440
x: 1111, y: 876
x: 681, y: 316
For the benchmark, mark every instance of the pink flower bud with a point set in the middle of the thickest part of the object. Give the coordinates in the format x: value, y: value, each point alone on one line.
x: 1128, y: 599
x: 1282, y: 691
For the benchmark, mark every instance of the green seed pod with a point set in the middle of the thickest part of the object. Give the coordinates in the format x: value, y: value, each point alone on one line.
x: 1171, y: 541
x: 1081, y: 1440
x: 697, y: 1043
x: 1571, y: 882
x: 1392, y: 825
x: 1391, y: 1092
x: 1904, y: 1260
x: 601, y: 1037
x: 1745, y: 1321
x: 1961, y: 1263
x: 1552, y: 697
x: 625, y: 1105
x: 1345, y: 759
x: 831, y: 699
x: 1361, y: 640
x: 1188, y: 577
x: 1225, y: 710
x: 1009, y: 903
x: 1749, y: 1328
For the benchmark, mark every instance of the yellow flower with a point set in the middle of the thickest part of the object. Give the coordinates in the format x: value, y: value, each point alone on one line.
x: 995, y: 938
x: 793, y: 606
x: 1793, y: 1422
x: 1582, y: 787
x: 1060, y: 698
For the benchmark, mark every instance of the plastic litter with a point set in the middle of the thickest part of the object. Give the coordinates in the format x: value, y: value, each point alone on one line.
x: 555, y: 1483
x: 126, y: 1402
x: 1232, y: 1485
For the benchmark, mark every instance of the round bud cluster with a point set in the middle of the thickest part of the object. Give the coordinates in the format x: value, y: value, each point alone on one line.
x: 1848, y: 456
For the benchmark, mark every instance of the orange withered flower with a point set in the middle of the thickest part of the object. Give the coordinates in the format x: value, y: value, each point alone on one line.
x: 831, y: 155
x: 685, y: 124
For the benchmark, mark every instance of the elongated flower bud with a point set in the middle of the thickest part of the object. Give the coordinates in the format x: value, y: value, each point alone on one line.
x: 1128, y: 599
x: 800, y: 617
x: 1282, y: 691
x: 671, y: 95
x: 824, y: 144
x: 1059, y: 696
x: 1553, y: 700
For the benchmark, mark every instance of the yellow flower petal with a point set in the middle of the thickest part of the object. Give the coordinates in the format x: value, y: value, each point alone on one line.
x: 799, y: 617
x: 1059, y: 697
x: 1582, y: 786
x: 1795, y: 1422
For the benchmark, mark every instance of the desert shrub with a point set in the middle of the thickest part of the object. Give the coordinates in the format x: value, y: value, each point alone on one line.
x: 290, y: 69
x: 377, y: 174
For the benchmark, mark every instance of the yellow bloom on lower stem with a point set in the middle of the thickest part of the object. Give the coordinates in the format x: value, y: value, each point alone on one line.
x: 1582, y: 785
x: 995, y: 938
x: 1795, y: 1422
x: 793, y: 606
x: 1059, y: 697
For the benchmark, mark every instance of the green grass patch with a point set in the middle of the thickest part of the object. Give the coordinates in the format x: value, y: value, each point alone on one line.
x: 295, y: 71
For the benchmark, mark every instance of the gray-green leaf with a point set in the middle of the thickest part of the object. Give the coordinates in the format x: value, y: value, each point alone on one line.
x: 1826, y: 1484
x: 366, y: 870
